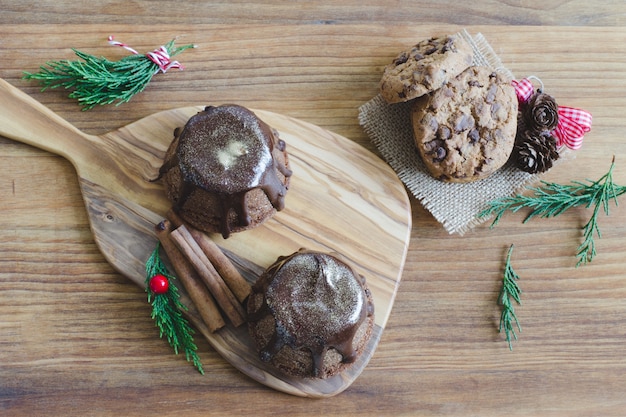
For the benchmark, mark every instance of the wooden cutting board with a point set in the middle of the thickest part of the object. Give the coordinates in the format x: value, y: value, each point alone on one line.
x: 342, y: 198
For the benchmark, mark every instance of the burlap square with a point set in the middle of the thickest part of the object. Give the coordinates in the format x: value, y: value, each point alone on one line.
x: 454, y: 205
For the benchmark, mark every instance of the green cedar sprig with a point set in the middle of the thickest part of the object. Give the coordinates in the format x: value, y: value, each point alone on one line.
x: 97, y: 80
x: 167, y: 312
x: 509, y: 293
x: 552, y: 199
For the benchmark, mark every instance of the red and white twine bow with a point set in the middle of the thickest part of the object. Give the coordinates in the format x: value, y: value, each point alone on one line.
x: 573, y: 123
x: 159, y: 56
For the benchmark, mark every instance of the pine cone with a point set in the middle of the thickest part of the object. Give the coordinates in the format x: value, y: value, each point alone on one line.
x: 521, y: 124
x: 541, y: 112
x: 535, y: 152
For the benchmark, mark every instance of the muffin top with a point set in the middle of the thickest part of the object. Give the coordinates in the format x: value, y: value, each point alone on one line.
x: 326, y: 301
x: 317, y: 302
x: 225, y: 149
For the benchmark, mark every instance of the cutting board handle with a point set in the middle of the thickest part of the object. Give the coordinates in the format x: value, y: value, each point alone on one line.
x: 24, y: 119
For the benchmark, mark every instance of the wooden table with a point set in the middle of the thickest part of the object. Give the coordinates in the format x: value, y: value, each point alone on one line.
x: 76, y: 337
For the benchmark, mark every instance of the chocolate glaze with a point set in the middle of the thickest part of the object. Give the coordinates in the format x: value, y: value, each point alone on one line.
x: 227, y: 150
x: 318, y: 302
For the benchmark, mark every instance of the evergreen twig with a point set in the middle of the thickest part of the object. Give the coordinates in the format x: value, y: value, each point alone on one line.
x: 551, y: 200
x: 167, y: 312
x: 509, y: 293
x: 99, y: 81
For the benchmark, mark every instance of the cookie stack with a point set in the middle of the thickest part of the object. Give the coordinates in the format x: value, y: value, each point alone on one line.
x: 464, y: 116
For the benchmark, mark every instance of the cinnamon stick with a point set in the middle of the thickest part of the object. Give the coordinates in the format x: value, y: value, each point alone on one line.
x: 229, y: 273
x: 220, y: 291
x: 199, y: 294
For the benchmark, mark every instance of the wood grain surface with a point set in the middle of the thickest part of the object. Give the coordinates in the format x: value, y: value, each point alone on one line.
x: 77, y: 338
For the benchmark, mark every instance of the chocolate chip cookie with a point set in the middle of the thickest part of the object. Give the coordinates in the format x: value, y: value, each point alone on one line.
x: 425, y: 67
x: 465, y: 131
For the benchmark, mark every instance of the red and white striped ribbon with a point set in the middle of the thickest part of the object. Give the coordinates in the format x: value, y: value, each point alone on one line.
x: 122, y: 45
x: 573, y: 123
x: 524, y: 89
x: 159, y: 56
x: 572, y: 126
x: 162, y: 58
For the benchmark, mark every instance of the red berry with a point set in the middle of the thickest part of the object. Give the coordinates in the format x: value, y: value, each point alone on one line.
x: 159, y: 284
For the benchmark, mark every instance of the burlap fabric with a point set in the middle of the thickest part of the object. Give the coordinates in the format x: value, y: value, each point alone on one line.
x: 454, y: 205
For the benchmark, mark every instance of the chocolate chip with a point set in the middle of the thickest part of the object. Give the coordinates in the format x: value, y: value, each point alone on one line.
x: 401, y: 59
x: 430, y: 51
x: 448, y: 46
x: 435, y: 148
x: 491, y: 94
x: 473, y: 135
x: 431, y: 147
x: 440, y: 154
x: 475, y: 83
x: 494, y: 109
x: 463, y: 122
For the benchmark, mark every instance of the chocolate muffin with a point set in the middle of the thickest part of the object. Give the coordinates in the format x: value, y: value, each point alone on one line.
x: 310, y: 314
x: 226, y: 170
